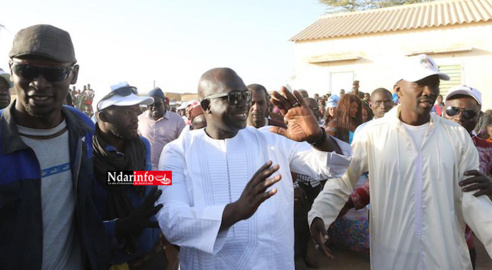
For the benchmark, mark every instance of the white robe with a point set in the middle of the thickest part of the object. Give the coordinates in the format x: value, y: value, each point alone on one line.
x: 208, y: 174
x: 418, y: 210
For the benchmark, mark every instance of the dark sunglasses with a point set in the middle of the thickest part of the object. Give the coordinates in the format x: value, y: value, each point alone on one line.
x: 51, y: 74
x: 123, y: 91
x: 233, y: 97
x: 467, y: 114
x: 156, y: 104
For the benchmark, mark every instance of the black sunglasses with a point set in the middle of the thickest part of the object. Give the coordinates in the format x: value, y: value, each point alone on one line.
x: 156, y: 104
x: 467, y: 114
x: 51, y: 74
x: 122, y: 91
x: 233, y: 97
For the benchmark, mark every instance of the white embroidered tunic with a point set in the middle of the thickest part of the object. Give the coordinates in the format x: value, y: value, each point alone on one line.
x: 208, y: 174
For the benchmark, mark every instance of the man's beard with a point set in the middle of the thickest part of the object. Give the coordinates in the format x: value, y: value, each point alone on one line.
x: 124, y: 135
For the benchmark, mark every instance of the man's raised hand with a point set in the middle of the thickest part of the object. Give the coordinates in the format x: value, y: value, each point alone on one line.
x: 254, y: 194
x: 302, y: 125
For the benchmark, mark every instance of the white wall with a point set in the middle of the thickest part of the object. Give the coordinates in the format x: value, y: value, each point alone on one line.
x: 380, y: 54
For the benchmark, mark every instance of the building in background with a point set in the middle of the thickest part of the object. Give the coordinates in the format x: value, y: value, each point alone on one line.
x: 367, y: 45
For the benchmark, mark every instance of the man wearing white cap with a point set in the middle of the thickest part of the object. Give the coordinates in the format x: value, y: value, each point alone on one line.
x: 416, y: 161
x: 463, y: 106
x: 128, y: 211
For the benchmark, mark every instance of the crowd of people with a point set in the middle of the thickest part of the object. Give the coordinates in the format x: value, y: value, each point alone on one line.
x: 82, y: 99
x: 257, y: 176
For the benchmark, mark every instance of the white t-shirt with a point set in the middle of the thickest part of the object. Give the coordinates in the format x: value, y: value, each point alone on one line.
x: 417, y: 133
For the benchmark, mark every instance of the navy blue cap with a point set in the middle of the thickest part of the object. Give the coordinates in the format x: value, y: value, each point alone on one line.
x: 157, y: 92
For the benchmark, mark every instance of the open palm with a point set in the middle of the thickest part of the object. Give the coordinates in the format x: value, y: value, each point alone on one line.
x: 301, y: 123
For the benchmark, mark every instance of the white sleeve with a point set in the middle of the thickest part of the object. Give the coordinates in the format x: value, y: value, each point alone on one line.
x: 319, y: 165
x: 477, y: 211
x: 181, y: 222
x: 336, y: 192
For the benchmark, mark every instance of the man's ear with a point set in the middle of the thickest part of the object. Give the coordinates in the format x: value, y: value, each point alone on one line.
x: 397, y: 90
x: 103, y: 116
x: 75, y: 74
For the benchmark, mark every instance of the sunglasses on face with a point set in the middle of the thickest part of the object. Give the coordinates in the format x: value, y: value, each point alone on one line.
x: 156, y: 104
x: 467, y: 114
x: 52, y: 74
x: 123, y: 91
x: 233, y: 97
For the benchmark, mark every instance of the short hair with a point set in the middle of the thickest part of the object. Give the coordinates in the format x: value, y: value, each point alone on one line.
x: 259, y: 87
x: 303, y: 93
x: 381, y: 90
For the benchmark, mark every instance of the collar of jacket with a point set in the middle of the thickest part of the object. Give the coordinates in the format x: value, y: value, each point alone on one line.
x: 11, y: 140
x: 393, y: 116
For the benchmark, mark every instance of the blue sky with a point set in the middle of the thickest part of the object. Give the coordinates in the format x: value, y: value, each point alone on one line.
x: 171, y: 42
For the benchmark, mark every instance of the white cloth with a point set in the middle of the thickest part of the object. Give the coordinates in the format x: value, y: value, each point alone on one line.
x: 418, y: 210
x: 359, y: 128
x: 417, y: 133
x: 208, y: 174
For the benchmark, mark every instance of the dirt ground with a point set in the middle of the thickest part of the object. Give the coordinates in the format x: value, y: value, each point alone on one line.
x: 356, y: 261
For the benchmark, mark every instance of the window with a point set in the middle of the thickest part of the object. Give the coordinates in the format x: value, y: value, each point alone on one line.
x: 456, y: 78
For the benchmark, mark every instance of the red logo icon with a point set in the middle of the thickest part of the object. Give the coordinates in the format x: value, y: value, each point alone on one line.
x: 152, y: 178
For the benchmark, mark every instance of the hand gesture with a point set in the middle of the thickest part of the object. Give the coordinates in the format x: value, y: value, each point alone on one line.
x: 254, y: 194
x: 139, y: 218
x: 318, y: 232
x: 478, y: 181
x: 302, y: 125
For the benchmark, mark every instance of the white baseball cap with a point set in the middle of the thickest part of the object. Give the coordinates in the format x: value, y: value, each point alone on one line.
x: 466, y: 91
x: 122, y: 94
x: 183, y: 105
x: 417, y: 67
